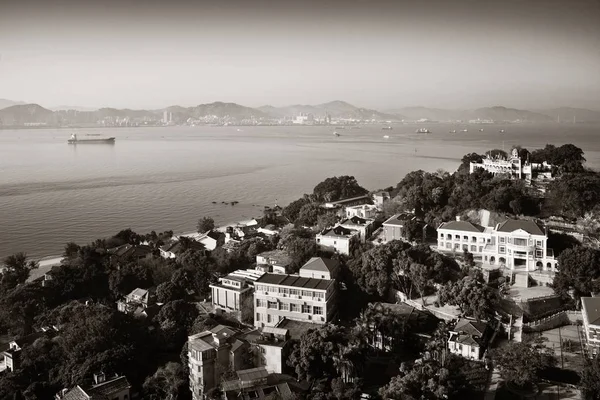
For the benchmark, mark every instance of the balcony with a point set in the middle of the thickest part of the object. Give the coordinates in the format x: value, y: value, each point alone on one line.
x: 515, y: 247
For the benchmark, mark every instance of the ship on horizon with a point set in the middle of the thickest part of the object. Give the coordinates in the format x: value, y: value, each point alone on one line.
x: 75, y: 140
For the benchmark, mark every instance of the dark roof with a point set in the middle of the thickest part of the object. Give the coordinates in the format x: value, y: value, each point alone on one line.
x: 399, y: 219
x: 337, y: 231
x: 295, y: 281
x: 591, y: 307
x: 366, y: 196
x: 297, y: 328
x: 463, y: 226
x: 128, y: 250
x: 528, y: 226
x: 321, y: 264
x: 355, y: 220
x: 76, y: 393
x: 469, y: 332
x: 252, y: 374
x: 110, y: 387
x: 176, y: 247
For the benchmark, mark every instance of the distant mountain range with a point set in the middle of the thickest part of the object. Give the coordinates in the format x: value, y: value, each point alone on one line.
x: 14, y: 113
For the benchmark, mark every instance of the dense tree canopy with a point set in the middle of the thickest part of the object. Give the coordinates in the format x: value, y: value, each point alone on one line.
x: 574, y: 195
x: 521, y: 362
x: 472, y: 295
x: 205, y: 224
x: 338, y: 187
x: 579, y: 271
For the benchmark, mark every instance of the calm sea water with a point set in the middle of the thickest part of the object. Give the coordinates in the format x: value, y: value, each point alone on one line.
x: 167, y: 178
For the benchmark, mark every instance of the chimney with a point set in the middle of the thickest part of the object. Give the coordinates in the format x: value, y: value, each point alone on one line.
x: 458, y: 218
x: 99, y: 378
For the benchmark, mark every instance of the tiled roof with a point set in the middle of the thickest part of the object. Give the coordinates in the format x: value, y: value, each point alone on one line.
x: 321, y: 264
x: 338, y: 231
x: 528, y: 226
x: 76, y: 393
x: 462, y: 226
x: 139, y: 292
x: 294, y: 281
x: 355, y: 221
x: 129, y: 250
x: 252, y: 374
x: 591, y: 308
x: 399, y: 219
x: 110, y: 387
x: 468, y: 332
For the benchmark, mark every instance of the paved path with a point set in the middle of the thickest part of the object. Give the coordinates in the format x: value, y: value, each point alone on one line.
x: 490, y: 393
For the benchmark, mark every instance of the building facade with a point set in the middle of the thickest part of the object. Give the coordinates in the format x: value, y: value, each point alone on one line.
x: 468, y: 339
x: 393, y: 227
x: 295, y: 297
x: 363, y: 226
x: 278, y: 260
x: 514, y: 167
x: 590, y: 311
x: 338, y: 239
x: 516, y: 244
x: 210, y: 354
x: 365, y: 211
x: 234, y: 291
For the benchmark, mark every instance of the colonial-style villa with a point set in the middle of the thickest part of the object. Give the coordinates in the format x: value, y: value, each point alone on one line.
x: 297, y: 297
x: 514, y: 167
x: 339, y: 239
x: 468, y: 339
x: 232, y: 291
x: 365, y: 211
x: 590, y: 310
x: 516, y: 244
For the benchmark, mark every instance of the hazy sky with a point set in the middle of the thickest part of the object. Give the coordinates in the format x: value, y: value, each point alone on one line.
x: 375, y: 53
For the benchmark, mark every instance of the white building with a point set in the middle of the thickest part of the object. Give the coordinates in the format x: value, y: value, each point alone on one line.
x: 232, y: 291
x: 516, y: 244
x: 468, y: 339
x: 339, y: 239
x: 277, y: 260
x: 365, y: 211
x: 296, y: 297
x: 514, y: 167
x: 363, y: 226
x: 393, y: 227
x: 590, y: 311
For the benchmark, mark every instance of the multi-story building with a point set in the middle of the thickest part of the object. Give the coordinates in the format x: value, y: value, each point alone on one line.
x: 234, y: 291
x: 339, y: 239
x: 139, y: 303
x: 365, y: 211
x: 393, y: 227
x: 514, y: 167
x: 210, y: 354
x: 277, y: 260
x: 271, y: 347
x: 296, y: 297
x: 590, y: 311
x: 516, y: 244
x: 353, y: 201
x: 380, y: 198
x: 363, y: 226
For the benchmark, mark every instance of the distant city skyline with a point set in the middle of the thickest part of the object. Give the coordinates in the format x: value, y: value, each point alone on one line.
x: 378, y: 54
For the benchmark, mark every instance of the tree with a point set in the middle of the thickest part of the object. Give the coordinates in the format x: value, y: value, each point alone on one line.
x: 472, y: 295
x: 168, y: 291
x: 413, y: 230
x: 16, y: 270
x: 292, y: 210
x: 205, y: 224
x: 393, y: 328
x: 129, y: 277
x: 71, y: 250
x: 427, y: 380
x: 374, y: 274
x: 437, y: 346
x: 175, y: 319
x: 327, y: 220
x: 300, y: 251
x: 574, y: 195
x: 579, y: 271
x: 169, y: 382
x: 521, y: 362
x: 590, y: 379
x: 309, y: 214
x: 338, y: 187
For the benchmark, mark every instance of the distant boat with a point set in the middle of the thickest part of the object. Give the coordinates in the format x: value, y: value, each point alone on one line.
x: 501, y: 131
x: 75, y: 140
x: 465, y: 130
x: 422, y: 130
x: 386, y: 137
x: 239, y: 130
x: 481, y: 130
x: 452, y: 131
x: 336, y: 134
x: 387, y: 128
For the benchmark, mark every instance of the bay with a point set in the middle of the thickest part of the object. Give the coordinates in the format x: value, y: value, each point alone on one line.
x: 166, y: 178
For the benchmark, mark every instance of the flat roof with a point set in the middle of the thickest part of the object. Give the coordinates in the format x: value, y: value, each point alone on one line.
x: 295, y: 281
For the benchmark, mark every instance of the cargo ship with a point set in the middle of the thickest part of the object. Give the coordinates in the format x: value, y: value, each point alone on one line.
x: 75, y: 140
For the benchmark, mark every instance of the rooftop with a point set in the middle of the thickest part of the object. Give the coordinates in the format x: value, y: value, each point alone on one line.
x: 320, y: 264
x: 128, y: 250
x: 399, y: 219
x: 528, y: 226
x: 280, y: 256
x: 295, y: 281
x: 462, y: 226
x: 591, y: 308
x: 350, y: 200
x: 207, y: 340
x: 355, y: 221
x: 338, y: 231
x: 296, y: 328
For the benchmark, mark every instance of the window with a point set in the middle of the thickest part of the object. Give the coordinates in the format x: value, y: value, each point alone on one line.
x: 538, y: 243
x: 294, y: 307
x: 283, y: 290
x: 449, y: 237
x: 502, y: 249
x: 268, y: 318
x: 448, y: 245
x: 295, y: 292
x: 306, y: 309
x: 473, y: 248
x: 456, y: 246
x: 272, y: 305
x: 465, y: 247
x: 258, y: 316
x: 261, y: 303
x: 284, y: 306
x: 307, y: 293
x: 502, y: 239
x: 456, y: 237
x: 538, y: 254
x: 441, y: 235
x: 466, y: 238
x: 319, y: 295
x: 473, y: 239
x: 262, y: 350
x: 318, y: 310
